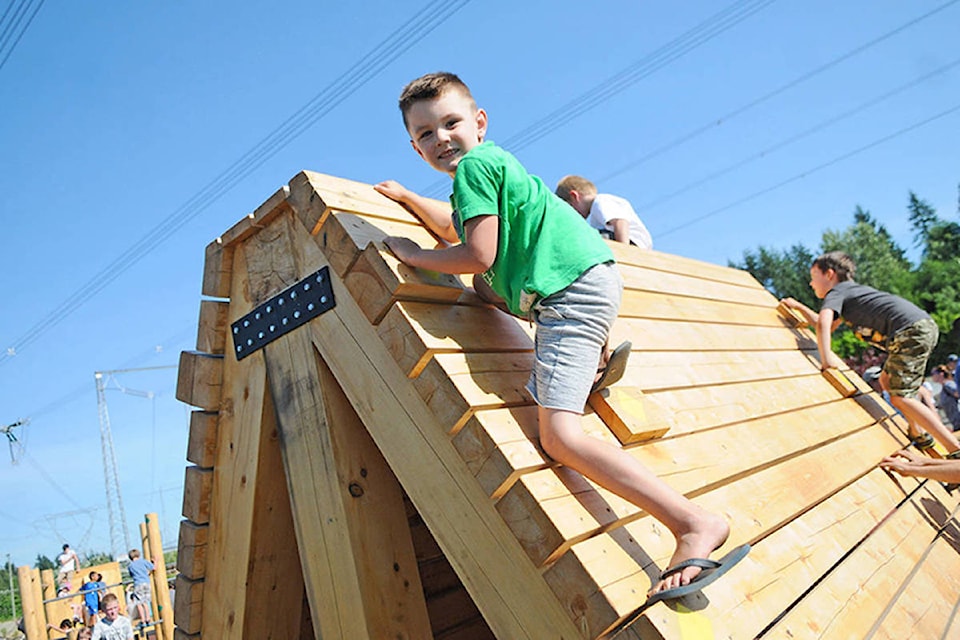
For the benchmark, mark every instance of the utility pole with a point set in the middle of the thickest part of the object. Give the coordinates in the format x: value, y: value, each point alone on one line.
x: 119, y: 532
x: 13, y: 601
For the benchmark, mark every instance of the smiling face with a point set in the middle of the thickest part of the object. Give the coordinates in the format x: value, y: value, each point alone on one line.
x: 821, y: 282
x: 443, y: 129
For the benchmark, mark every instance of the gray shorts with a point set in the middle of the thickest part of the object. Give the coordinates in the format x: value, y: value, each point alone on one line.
x: 572, y: 327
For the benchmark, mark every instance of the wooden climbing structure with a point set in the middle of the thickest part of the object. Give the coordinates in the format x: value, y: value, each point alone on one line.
x: 375, y: 471
x: 43, y: 606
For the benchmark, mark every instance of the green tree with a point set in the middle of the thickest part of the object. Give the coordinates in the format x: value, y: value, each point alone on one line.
x: 782, y: 272
x: 881, y: 262
x: 923, y: 218
x: 96, y: 557
x: 43, y: 562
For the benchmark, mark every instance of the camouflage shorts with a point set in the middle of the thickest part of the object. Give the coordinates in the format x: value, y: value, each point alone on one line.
x: 909, y: 349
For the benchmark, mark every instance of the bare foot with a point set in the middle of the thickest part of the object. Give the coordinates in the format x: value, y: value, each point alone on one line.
x: 708, y: 533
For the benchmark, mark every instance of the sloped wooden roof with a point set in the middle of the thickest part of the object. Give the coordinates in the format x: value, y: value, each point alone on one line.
x: 318, y: 460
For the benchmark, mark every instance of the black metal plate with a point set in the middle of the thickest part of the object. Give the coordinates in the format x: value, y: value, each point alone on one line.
x: 283, y: 313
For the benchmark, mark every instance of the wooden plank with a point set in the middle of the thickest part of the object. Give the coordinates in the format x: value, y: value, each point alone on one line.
x: 631, y: 416
x: 507, y: 589
x: 414, y: 332
x: 793, y: 316
x: 314, y: 195
x: 345, y: 235
x: 161, y: 599
x: 199, y: 379
x: 192, y: 549
x: 671, y: 263
x: 493, y: 380
x: 218, y: 265
x: 197, y: 494
x: 356, y: 553
x: 663, y: 335
x: 755, y: 505
x: 239, y: 447
x: 552, y: 509
x: 914, y: 613
x: 377, y: 279
x: 188, y: 605
x: 855, y: 595
x: 202, y: 441
x: 274, y: 581
x: 839, y: 381
x: 212, y: 327
x: 678, y: 284
x: 669, y: 306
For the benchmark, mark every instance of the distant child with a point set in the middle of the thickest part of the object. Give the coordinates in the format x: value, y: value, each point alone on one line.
x: 949, y: 395
x: 140, y: 569
x: 68, y: 562
x: 65, y: 629
x: 541, y: 259
x: 612, y: 216
x: 112, y: 626
x: 896, y: 325
x: 92, y: 592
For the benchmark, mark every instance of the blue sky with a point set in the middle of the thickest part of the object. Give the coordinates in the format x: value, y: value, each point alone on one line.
x: 728, y: 126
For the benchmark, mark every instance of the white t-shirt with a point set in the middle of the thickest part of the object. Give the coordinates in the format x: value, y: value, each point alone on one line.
x: 119, y: 629
x: 68, y: 561
x: 607, y: 207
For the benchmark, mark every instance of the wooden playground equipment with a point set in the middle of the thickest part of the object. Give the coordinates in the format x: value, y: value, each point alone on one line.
x: 375, y: 471
x: 42, y: 606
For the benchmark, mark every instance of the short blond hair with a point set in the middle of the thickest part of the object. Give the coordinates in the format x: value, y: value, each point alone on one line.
x: 574, y: 183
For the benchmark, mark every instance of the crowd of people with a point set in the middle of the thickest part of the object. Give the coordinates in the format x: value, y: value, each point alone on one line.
x: 96, y: 612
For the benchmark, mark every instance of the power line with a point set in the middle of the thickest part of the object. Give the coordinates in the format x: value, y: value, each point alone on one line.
x: 803, y: 134
x: 625, y: 78
x: 402, y: 39
x: 815, y: 169
x: 8, y: 32
x: 716, y: 122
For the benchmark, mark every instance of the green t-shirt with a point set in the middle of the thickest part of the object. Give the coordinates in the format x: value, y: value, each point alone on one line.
x: 543, y: 245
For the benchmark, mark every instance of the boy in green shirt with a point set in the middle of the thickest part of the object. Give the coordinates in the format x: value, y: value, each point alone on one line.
x: 541, y: 260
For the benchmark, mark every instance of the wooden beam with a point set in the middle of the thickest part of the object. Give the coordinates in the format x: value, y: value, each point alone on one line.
x: 356, y: 553
x: 202, y: 440
x: 188, y: 612
x: 192, y: 549
x: 199, y: 379
x: 197, y: 494
x: 631, y: 416
x: 212, y: 327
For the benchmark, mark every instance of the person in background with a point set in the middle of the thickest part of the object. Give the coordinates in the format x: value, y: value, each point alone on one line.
x: 949, y: 395
x: 612, y: 216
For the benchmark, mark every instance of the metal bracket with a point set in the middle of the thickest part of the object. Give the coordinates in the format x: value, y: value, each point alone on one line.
x: 283, y: 313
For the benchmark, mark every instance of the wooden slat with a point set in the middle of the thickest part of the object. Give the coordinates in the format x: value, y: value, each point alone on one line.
x: 631, y: 416
x: 377, y: 279
x: 202, y: 441
x: 682, y: 285
x: 199, y: 379
x: 672, y: 263
x: 188, y: 605
x: 217, y: 270
x: 855, y: 595
x: 839, y: 381
x: 414, y: 332
x: 361, y: 579
x: 240, y: 438
x: 668, y: 306
x: 212, y: 326
x: 507, y: 589
x: 793, y: 316
x: 552, y: 509
x: 192, y: 549
x: 664, y: 335
x: 344, y: 235
x: 197, y: 494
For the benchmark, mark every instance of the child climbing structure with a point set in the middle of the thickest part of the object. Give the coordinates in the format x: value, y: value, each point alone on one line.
x: 365, y: 463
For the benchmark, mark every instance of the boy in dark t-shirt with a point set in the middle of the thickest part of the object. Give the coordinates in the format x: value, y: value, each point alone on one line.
x: 903, y: 330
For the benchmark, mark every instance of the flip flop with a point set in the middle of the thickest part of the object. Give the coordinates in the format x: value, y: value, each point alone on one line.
x: 613, y: 370
x: 712, y: 569
x: 922, y: 442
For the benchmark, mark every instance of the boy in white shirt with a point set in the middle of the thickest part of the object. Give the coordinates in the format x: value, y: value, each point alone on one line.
x: 612, y: 216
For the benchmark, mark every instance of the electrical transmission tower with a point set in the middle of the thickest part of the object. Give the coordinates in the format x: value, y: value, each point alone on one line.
x: 119, y: 532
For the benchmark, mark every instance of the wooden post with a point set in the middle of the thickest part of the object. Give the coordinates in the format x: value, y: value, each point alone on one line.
x: 29, y: 604
x: 161, y: 597
x: 38, y: 599
x: 148, y: 554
